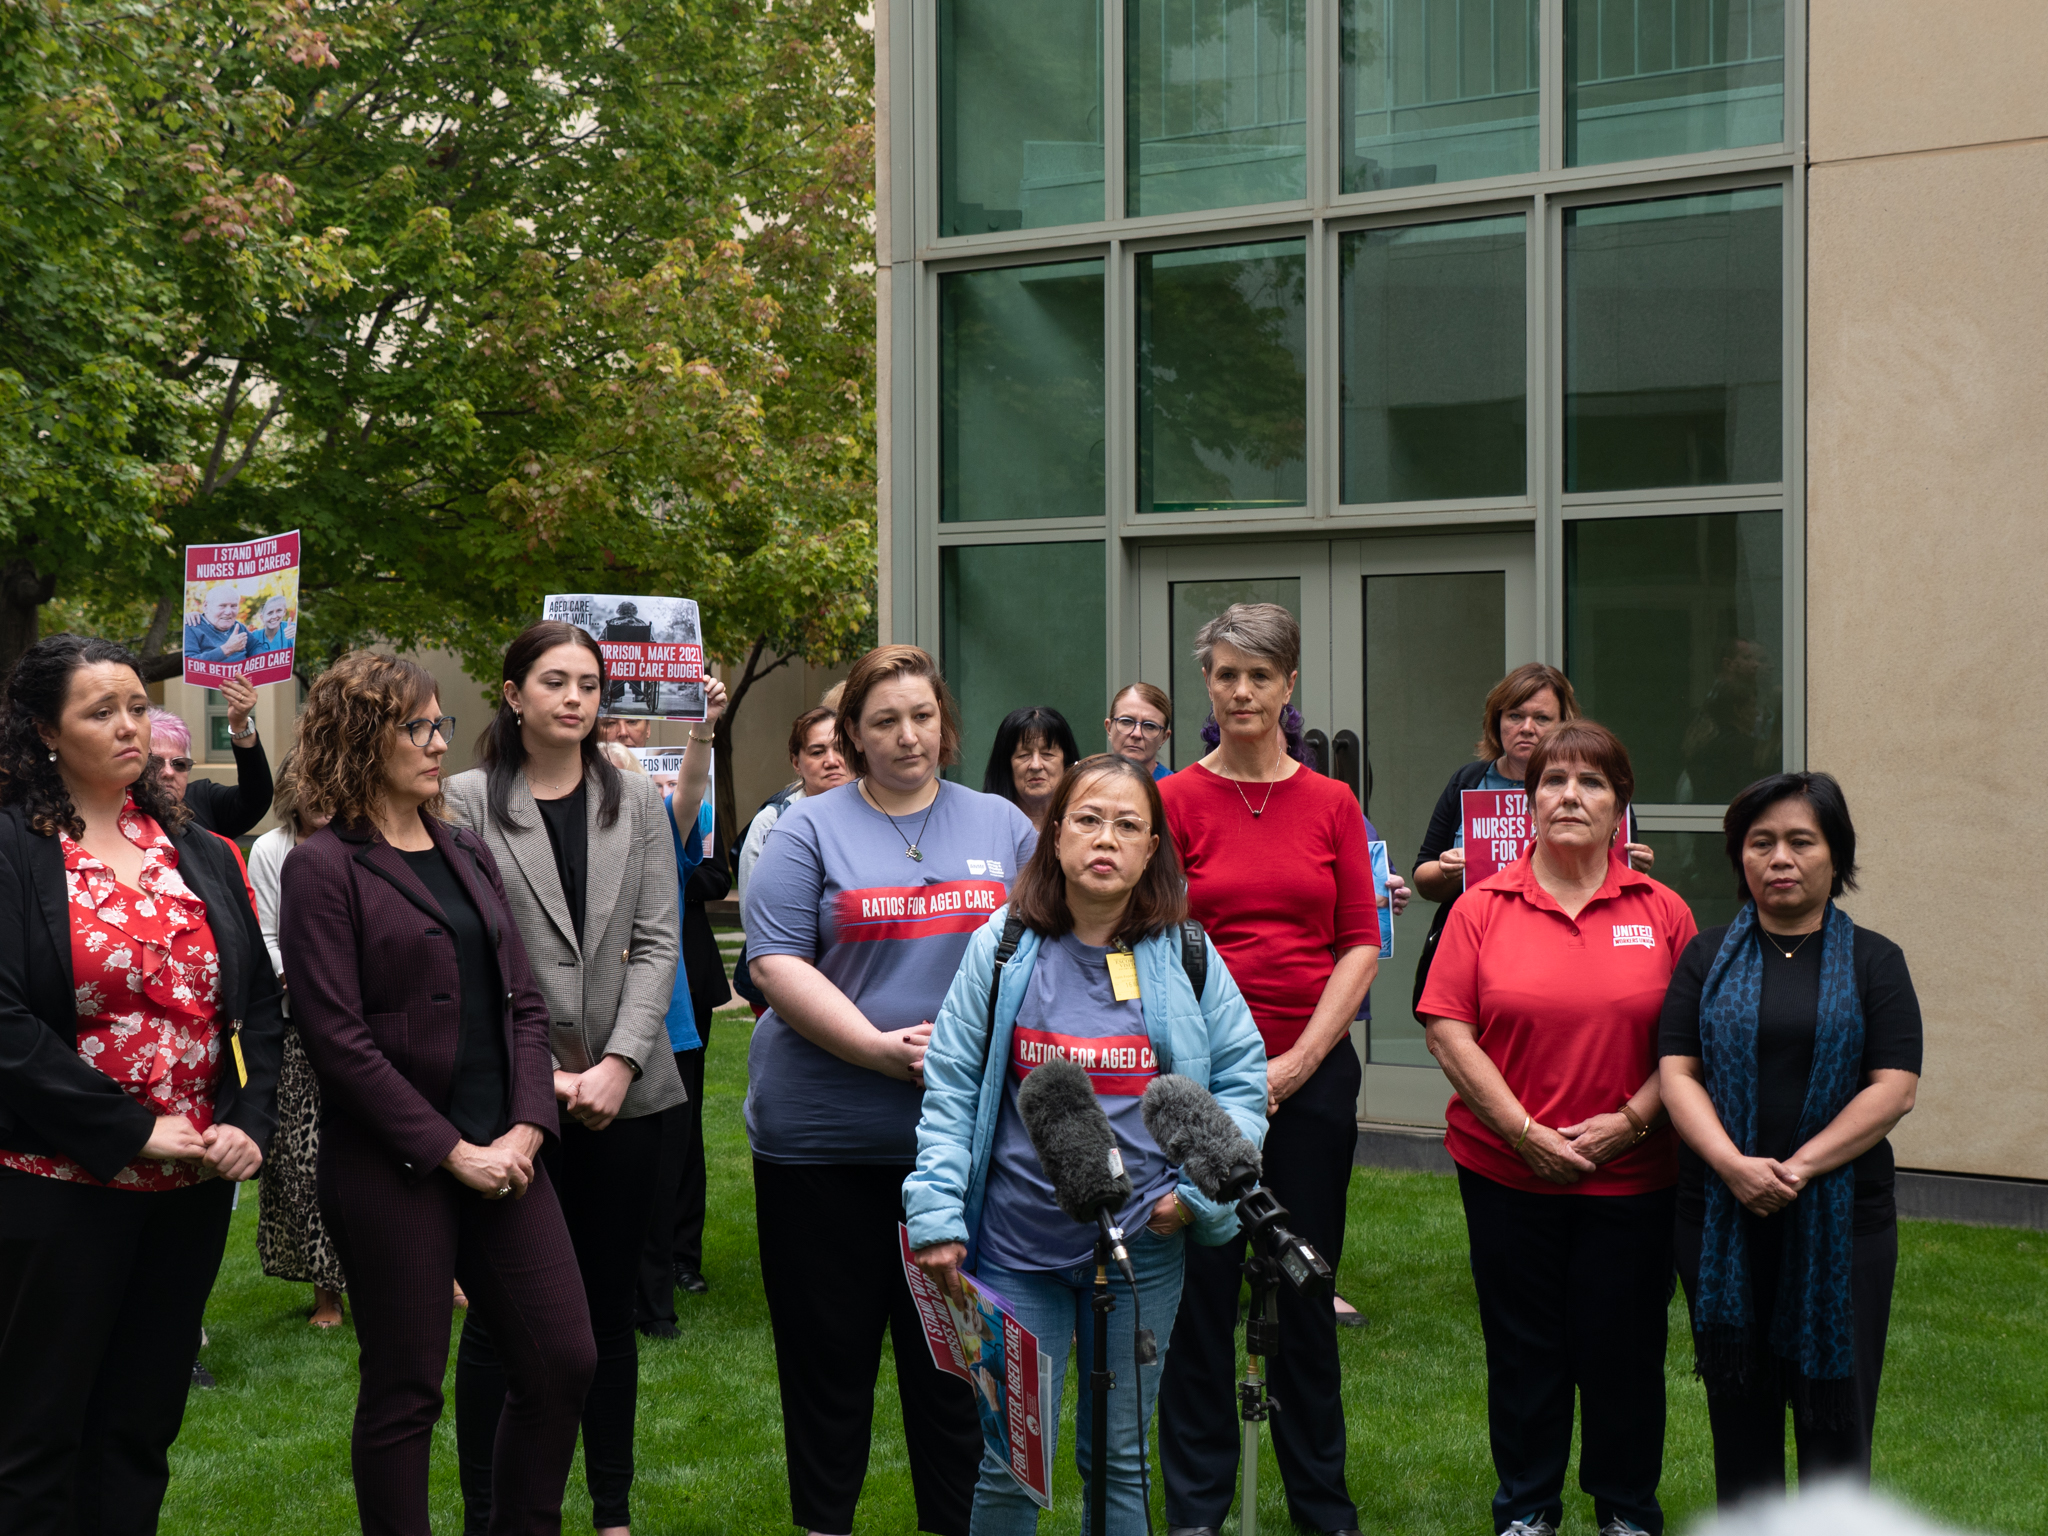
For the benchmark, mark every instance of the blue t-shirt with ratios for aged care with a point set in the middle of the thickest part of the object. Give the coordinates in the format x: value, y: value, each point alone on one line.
x: 1070, y: 1012
x: 836, y: 886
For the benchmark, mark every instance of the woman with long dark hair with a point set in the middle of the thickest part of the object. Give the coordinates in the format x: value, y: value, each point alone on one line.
x: 592, y: 885
x: 1033, y: 750
x: 413, y: 992
x: 139, y: 1041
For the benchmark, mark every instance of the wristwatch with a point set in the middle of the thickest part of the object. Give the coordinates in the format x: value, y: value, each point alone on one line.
x: 247, y: 733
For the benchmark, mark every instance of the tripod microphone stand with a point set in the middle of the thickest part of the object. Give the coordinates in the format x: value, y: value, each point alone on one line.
x: 1100, y: 1380
x: 1254, y: 1404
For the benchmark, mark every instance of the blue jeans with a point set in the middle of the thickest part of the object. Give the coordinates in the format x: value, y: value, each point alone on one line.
x: 1054, y: 1305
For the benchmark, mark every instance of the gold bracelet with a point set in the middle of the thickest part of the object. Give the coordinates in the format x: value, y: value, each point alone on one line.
x: 1527, y: 1120
x: 1641, y: 1126
x: 702, y: 741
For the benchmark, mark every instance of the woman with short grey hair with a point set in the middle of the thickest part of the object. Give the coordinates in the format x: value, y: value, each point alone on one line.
x: 1280, y: 877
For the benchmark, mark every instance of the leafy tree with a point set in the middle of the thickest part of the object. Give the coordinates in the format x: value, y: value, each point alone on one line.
x: 591, y: 309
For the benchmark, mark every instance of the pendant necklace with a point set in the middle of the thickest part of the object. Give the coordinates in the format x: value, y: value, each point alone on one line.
x: 1256, y: 814
x: 1784, y: 952
x: 910, y: 848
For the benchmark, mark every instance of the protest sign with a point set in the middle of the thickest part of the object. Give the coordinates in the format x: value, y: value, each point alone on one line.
x: 1499, y: 830
x: 986, y: 1347
x: 664, y: 765
x: 653, y: 650
x: 1380, y: 868
x: 241, y: 610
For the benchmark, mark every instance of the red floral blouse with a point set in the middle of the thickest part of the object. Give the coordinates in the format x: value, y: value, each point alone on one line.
x: 147, y: 977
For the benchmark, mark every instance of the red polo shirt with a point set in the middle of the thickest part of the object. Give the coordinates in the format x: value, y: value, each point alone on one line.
x: 1566, y: 1009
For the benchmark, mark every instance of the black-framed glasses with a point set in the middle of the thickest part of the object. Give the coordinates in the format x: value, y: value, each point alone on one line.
x: 1087, y: 824
x: 422, y: 732
x: 1146, y: 728
x: 178, y: 764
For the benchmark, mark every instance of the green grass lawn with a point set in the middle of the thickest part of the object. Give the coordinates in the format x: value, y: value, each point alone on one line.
x: 1960, y: 1432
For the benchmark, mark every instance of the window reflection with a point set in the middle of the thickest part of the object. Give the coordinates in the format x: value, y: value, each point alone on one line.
x: 989, y: 595
x: 1020, y: 392
x: 1223, y: 377
x: 1438, y: 90
x: 1646, y: 78
x: 1020, y: 112
x: 1673, y: 636
x: 1216, y: 111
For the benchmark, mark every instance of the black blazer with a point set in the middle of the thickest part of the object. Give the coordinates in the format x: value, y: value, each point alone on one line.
x: 51, y: 1100
x: 232, y: 809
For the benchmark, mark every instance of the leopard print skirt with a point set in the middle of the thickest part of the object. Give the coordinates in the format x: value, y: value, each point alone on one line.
x: 291, y: 1240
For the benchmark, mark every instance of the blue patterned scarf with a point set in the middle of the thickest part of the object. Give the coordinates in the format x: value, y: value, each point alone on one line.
x: 1813, y: 1326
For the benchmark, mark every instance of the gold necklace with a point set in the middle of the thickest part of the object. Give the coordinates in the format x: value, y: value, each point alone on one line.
x: 1786, y: 953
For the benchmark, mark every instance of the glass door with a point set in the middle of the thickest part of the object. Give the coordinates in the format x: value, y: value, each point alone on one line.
x: 1422, y: 629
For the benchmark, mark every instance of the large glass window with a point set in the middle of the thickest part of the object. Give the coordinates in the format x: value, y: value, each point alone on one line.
x: 1695, y: 865
x: 1674, y: 341
x: 1435, y: 349
x: 1195, y: 603
x: 1437, y: 90
x: 1216, y: 106
x: 1022, y: 624
x: 1674, y: 635
x: 1672, y: 77
x: 1020, y: 392
x: 1223, y: 377
x: 1020, y: 113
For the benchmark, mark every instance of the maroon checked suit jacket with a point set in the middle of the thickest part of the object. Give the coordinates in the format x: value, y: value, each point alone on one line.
x: 375, y: 994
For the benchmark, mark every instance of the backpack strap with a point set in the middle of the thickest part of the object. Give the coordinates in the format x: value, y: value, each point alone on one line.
x: 1194, y: 955
x: 1006, y: 946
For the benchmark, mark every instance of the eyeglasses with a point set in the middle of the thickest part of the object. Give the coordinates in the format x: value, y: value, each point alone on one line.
x: 1145, y: 728
x: 178, y: 764
x: 422, y: 731
x: 1127, y: 830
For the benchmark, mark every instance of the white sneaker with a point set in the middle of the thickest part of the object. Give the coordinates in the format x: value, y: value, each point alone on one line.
x: 1620, y: 1527
x: 1536, y: 1527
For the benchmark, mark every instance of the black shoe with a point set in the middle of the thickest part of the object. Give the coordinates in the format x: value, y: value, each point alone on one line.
x: 689, y: 1280
x: 201, y: 1376
x: 660, y: 1328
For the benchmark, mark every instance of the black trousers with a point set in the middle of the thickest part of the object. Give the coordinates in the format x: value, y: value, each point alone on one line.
x: 101, y: 1292
x: 1573, y: 1292
x: 605, y: 1179
x: 1749, y: 1424
x: 1308, y: 1166
x: 832, y: 1269
x: 674, y: 1229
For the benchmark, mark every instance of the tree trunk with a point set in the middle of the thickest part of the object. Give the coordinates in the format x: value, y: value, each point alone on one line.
x: 726, y: 795
x: 23, y: 591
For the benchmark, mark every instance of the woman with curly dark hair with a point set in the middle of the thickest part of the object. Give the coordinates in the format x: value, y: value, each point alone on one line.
x: 413, y: 993
x: 139, y: 1042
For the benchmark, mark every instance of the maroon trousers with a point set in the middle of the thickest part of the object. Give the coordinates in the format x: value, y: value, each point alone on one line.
x: 403, y: 1243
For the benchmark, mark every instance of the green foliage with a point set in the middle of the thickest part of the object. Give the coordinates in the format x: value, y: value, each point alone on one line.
x: 588, y: 310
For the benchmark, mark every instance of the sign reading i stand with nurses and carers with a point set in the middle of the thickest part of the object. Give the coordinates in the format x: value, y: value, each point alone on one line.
x: 241, y: 614
x: 1499, y: 830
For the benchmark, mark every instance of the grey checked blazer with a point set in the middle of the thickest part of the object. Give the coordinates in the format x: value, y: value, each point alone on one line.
x: 611, y: 997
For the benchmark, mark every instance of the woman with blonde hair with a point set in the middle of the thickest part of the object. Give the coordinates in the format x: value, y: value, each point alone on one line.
x: 431, y: 1041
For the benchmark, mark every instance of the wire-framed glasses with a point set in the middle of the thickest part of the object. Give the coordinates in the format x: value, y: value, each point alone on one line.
x: 423, y: 731
x: 1130, y: 724
x: 1128, y: 829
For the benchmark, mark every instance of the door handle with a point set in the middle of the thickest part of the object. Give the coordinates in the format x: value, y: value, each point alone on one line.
x: 1315, y: 748
x: 1346, y: 762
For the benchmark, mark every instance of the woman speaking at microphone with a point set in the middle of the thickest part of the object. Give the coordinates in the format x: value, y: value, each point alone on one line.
x: 1100, y: 971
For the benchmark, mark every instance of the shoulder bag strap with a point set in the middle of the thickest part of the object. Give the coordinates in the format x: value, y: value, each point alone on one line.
x: 1006, y: 946
x: 1194, y: 956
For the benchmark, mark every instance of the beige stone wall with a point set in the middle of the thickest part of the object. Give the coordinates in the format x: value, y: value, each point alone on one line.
x: 1927, y: 529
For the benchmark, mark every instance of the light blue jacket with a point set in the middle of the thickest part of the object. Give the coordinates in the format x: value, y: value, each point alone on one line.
x: 1210, y: 1039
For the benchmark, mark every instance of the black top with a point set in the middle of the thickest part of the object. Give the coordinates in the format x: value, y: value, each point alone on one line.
x: 232, y: 809
x: 477, y: 1101
x: 1449, y: 814
x: 1786, y: 1020
x: 569, y: 836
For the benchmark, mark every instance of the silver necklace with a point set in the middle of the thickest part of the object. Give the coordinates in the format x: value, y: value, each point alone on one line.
x: 910, y: 848
x: 1247, y: 799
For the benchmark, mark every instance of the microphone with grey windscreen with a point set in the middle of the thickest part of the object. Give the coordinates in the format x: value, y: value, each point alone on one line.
x: 1077, y: 1149
x: 1199, y: 1138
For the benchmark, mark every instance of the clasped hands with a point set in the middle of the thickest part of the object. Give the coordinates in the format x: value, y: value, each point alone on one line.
x: 504, y: 1169
x: 593, y: 1098
x: 1568, y: 1153
x: 221, y: 1151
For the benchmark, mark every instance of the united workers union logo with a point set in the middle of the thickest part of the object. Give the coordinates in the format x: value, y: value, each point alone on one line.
x: 1634, y: 933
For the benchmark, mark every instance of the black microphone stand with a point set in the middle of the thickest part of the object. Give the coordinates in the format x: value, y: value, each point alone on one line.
x: 1099, y: 1384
